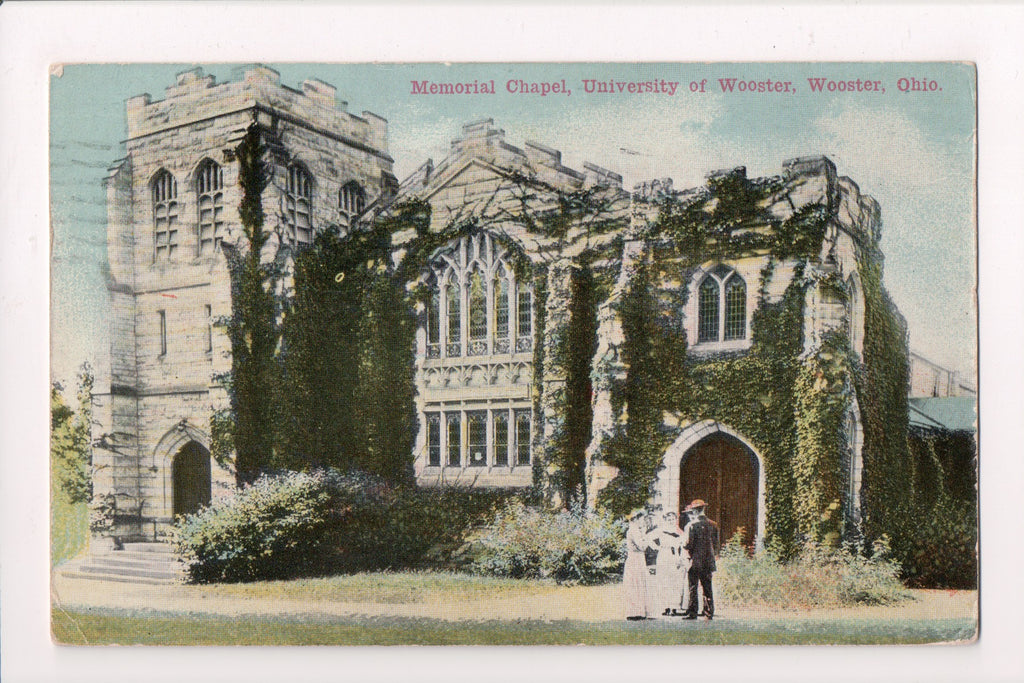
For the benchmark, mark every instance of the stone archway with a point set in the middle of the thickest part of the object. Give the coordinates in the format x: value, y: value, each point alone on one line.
x: 191, y: 485
x: 710, y: 460
x: 177, y: 449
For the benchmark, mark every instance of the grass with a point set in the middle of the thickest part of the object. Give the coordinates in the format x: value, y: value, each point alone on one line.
x: 69, y: 529
x: 101, y: 627
x: 388, y: 588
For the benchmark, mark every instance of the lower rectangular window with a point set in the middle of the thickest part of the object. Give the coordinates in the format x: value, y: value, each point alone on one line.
x: 501, y: 438
x: 523, y: 429
x: 433, y: 440
x: 477, y: 423
x: 454, y: 440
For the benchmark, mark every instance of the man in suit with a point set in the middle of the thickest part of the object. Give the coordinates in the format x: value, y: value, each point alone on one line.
x: 701, y: 541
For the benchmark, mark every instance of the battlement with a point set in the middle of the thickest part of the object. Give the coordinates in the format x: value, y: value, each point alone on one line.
x: 483, y: 140
x: 196, y: 97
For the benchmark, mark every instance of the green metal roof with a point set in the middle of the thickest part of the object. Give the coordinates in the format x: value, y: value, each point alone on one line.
x: 952, y: 413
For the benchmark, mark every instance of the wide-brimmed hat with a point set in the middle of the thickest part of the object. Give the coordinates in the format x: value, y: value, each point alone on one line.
x: 699, y: 503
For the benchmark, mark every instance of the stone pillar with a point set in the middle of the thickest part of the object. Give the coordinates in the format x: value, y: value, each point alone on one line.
x: 608, y: 369
x: 554, y: 399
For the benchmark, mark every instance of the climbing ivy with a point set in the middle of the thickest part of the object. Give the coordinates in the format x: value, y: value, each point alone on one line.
x: 823, y: 392
x: 882, y: 395
x: 567, y: 447
x: 252, y: 328
x: 636, y: 447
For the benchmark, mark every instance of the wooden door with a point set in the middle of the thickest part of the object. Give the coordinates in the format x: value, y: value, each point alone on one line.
x: 724, y: 473
x: 190, y: 475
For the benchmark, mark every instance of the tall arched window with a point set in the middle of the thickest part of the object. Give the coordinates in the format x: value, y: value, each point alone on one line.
x: 298, y: 202
x: 735, y: 309
x: 477, y: 314
x: 502, y: 286
x: 453, y: 346
x: 524, y: 318
x: 165, y: 216
x: 209, y: 191
x: 721, y: 306
x: 434, y: 322
x: 707, y: 325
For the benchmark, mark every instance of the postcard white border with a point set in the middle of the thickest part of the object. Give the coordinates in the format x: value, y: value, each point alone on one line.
x: 32, y: 36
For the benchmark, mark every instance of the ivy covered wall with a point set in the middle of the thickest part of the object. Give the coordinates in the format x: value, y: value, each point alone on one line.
x: 790, y: 391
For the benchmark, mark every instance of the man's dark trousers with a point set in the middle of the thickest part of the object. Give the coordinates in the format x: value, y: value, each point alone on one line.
x: 704, y: 577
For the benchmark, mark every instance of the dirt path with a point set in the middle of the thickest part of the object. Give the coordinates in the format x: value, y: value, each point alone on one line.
x: 590, y: 604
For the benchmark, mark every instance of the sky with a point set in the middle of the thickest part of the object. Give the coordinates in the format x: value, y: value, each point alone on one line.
x: 913, y: 151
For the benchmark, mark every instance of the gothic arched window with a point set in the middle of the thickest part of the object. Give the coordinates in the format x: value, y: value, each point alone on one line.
x: 298, y: 203
x: 454, y: 299
x: 721, y: 306
x: 735, y: 308
x: 524, y: 318
x: 434, y: 322
x: 165, y: 215
x: 477, y: 314
x: 502, y: 286
x: 352, y: 199
x: 707, y: 324
x: 209, y: 191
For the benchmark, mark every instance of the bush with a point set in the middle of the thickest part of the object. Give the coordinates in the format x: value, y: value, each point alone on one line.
x: 274, y: 528
x: 384, y: 527
x: 942, y: 548
x: 816, y: 577
x: 298, y: 524
x: 571, y: 547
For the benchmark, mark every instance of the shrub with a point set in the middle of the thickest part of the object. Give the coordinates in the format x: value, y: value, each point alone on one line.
x: 571, y: 547
x: 815, y: 577
x: 942, y: 548
x: 378, y: 526
x: 296, y: 524
x: 274, y: 528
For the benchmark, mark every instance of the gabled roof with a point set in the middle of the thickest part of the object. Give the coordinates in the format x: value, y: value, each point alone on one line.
x: 951, y: 413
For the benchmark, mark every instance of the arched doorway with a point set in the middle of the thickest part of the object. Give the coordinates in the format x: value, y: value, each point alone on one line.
x: 190, y: 479
x: 722, y: 471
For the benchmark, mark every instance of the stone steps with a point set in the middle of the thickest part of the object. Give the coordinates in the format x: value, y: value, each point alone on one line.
x: 149, y: 563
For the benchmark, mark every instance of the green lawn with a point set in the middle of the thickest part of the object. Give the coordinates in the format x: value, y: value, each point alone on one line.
x: 100, y: 627
x: 408, y: 587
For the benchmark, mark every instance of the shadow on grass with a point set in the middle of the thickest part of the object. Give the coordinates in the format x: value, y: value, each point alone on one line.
x: 106, y: 627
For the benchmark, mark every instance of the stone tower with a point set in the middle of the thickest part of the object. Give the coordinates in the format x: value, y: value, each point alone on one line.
x: 172, y: 201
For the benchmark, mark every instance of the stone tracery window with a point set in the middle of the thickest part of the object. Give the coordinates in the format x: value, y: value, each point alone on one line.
x: 210, y: 195
x: 477, y: 296
x: 721, y: 306
x: 298, y: 203
x: 165, y: 215
x: 473, y: 276
x: 476, y: 363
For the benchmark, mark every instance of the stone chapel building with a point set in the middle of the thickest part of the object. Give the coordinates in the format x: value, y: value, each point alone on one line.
x: 485, y: 417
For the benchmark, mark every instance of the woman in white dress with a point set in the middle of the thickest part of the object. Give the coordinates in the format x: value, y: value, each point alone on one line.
x: 669, y: 576
x: 634, y: 574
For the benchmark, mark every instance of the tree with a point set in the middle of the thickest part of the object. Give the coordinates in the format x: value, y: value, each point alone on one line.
x: 70, y: 433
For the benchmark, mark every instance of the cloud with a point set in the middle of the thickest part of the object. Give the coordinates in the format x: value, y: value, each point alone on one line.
x: 924, y: 183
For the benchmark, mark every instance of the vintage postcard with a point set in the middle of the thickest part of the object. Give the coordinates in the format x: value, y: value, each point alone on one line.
x: 514, y: 354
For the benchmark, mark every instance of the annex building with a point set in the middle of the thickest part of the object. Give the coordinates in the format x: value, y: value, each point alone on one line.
x: 498, y: 378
